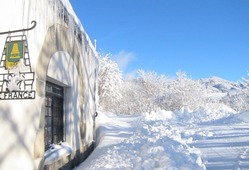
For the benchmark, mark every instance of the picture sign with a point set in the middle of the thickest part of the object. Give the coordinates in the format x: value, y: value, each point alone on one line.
x: 14, y: 53
x: 16, y: 75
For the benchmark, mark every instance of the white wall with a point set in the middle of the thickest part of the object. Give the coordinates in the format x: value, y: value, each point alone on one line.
x: 20, y: 120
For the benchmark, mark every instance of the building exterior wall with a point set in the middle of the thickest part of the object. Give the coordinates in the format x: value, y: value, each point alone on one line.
x: 61, y: 53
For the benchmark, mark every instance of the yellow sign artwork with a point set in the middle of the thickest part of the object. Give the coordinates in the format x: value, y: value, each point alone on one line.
x: 14, y: 52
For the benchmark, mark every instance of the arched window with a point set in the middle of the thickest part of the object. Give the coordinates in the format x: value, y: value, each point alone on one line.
x: 53, y: 115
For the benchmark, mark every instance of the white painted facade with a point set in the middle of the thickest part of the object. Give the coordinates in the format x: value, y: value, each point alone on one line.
x: 60, y: 53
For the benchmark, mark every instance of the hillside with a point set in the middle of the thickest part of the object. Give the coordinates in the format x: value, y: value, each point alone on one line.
x: 220, y: 85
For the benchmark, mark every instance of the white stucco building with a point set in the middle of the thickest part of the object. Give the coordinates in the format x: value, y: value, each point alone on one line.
x: 48, y: 91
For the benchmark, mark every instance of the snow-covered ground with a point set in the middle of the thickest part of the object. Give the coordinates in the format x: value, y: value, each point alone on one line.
x: 171, y: 140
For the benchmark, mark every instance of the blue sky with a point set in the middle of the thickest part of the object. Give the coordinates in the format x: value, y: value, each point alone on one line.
x: 203, y: 38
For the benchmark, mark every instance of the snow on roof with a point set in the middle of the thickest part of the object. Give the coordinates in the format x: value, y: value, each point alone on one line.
x: 70, y: 10
x: 77, y: 21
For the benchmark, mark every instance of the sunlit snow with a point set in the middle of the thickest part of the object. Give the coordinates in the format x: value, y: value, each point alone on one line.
x: 164, y: 140
x: 56, y: 152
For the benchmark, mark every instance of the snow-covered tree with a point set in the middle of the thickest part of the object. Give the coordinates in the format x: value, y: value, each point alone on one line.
x: 140, y: 94
x: 239, y: 99
x: 149, y: 92
x: 246, y: 82
x: 184, y: 92
x: 132, y: 101
x: 110, y: 82
x: 150, y: 84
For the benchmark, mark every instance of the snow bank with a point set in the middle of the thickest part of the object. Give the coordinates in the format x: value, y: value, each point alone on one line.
x: 137, y: 142
x: 161, y: 146
x: 242, y: 117
x: 211, y: 112
x: 158, y: 115
x: 171, y: 140
x: 56, y: 152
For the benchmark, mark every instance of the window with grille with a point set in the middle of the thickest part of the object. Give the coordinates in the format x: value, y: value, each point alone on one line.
x: 53, y: 114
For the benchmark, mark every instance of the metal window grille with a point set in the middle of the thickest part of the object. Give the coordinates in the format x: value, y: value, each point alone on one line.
x: 53, y: 115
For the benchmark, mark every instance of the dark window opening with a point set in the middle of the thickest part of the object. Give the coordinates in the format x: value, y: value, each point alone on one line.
x: 53, y: 132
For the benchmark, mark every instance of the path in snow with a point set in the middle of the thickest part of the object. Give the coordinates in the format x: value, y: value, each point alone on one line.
x: 224, y: 146
x: 128, y: 142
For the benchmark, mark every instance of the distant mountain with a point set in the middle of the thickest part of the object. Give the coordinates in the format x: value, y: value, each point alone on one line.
x: 234, y: 95
x: 218, y: 84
